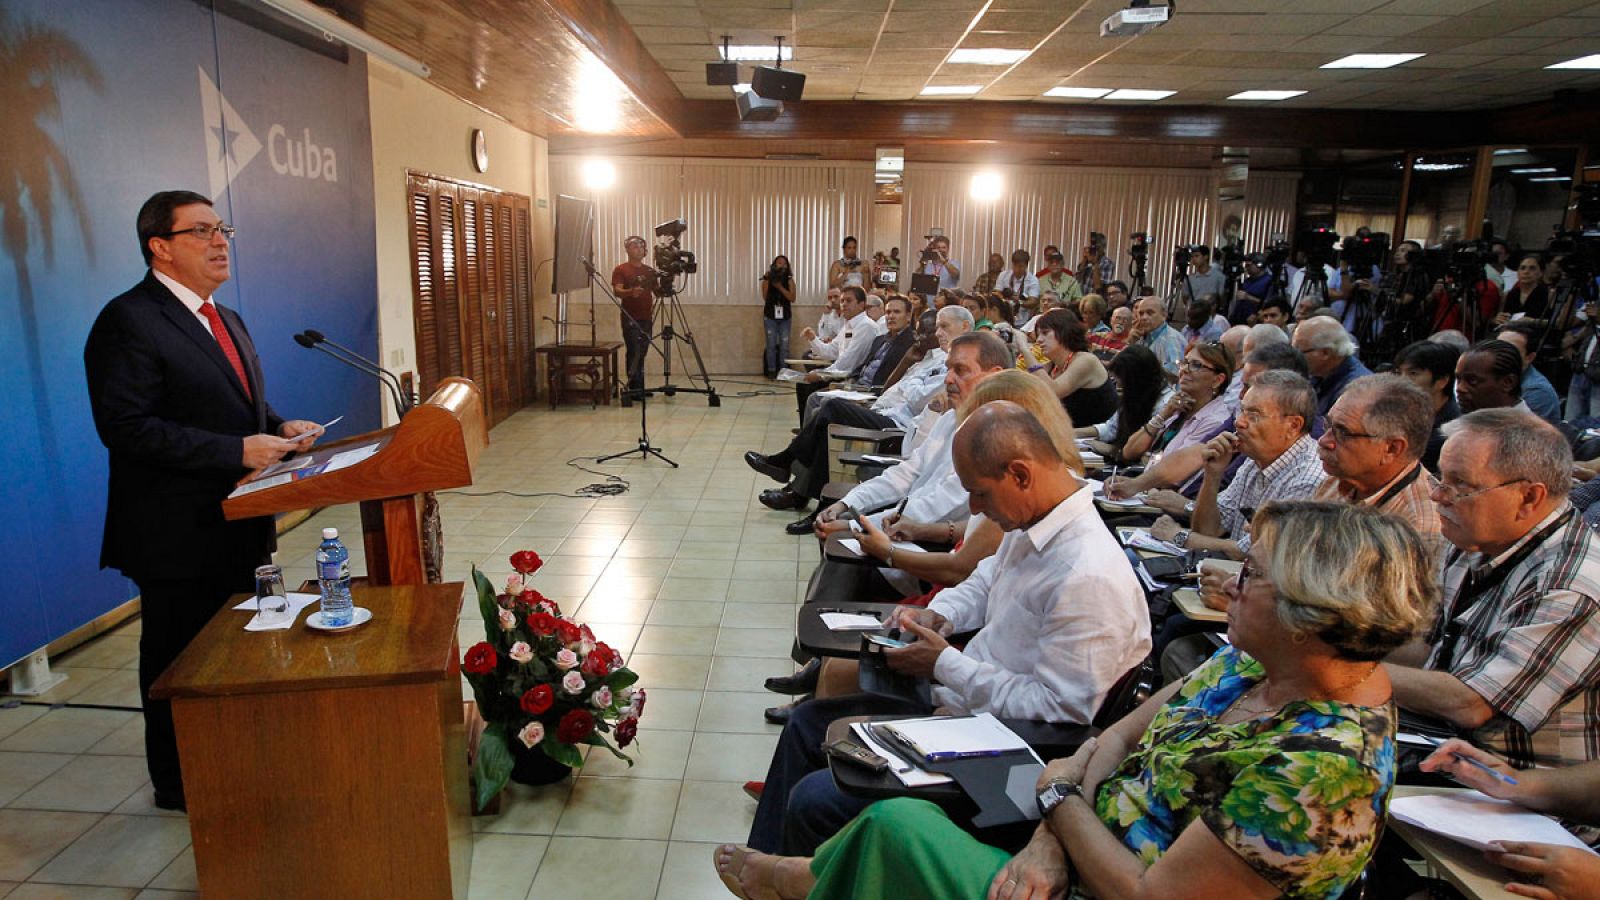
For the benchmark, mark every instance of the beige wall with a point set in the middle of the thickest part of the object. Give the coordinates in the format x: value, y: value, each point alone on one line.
x: 418, y: 127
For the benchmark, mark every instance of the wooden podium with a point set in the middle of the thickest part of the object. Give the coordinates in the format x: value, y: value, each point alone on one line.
x: 327, y: 765
x: 389, y: 472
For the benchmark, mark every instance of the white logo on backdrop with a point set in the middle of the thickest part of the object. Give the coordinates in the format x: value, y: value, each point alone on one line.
x: 231, y: 145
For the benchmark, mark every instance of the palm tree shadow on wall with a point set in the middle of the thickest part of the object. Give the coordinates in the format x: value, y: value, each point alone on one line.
x: 34, y: 61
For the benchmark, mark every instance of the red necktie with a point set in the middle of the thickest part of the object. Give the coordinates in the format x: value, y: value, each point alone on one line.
x: 220, y: 332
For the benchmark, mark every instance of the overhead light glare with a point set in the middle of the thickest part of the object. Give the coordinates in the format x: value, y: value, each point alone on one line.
x: 1555, y: 178
x: 598, y: 174
x: 1265, y: 95
x: 1536, y: 170
x: 1138, y: 94
x: 1592, y: 61
x: 741, y: 88
x: 987, y: 56
x: 1510, y: 151
x: 1437, y: 167
x: 754, y: 53
x: 1372, y: 60
x: 1086, y: 93
x: 985, y: 186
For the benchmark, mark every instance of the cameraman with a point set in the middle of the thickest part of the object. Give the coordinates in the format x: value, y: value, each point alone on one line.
x: 936, y: 261
x: 1202, y: 278
x: 1253, y: 289
x: 777, y: 302
x: 848, y: 269
x: 633, y: 283
x: 1095, y: 268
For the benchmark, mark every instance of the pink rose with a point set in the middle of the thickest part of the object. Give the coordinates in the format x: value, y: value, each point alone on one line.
x: 601, y: 698
x: 531, y: 734
x: 572, y: 682
x: 508, y: 620
x: 566, y: 659
x: 514, y: 584
x: 521, y: 652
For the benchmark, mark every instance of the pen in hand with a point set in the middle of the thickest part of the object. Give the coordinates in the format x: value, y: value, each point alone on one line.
x: 1497, y: 775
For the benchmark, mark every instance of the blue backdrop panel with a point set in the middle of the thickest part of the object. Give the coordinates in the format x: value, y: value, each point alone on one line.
x: 124, y: 100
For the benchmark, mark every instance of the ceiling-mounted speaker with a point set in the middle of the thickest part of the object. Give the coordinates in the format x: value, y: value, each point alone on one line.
x: 778, y: 84
x: 757, y: 109
x: 722, y: 73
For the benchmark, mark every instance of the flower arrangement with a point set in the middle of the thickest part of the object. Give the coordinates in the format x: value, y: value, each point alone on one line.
x: 542, y: 682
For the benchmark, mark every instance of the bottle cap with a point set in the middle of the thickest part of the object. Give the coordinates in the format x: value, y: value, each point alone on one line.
x: 329, y: 534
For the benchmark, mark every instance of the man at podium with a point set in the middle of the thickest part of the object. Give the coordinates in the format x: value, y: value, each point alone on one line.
x: 178, y: 399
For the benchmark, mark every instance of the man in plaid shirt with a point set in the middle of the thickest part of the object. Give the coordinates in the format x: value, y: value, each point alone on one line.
x: 1513, y: 661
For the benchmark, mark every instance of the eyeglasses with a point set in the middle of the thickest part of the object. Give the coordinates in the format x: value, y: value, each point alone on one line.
x: 1450, y: 493
x: 204, y: 232
x: 1247, y: 414
x: 1194, y: 365
x: 1341, y: 434
x: 1243, y: 578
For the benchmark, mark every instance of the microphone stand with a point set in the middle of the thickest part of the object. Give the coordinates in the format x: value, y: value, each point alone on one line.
x: 307, y: 341
x: 390, y: 377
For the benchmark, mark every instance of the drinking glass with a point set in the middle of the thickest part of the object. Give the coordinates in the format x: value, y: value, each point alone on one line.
x: 271, y: 598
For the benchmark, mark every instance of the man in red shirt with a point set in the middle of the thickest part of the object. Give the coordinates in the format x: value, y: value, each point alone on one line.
x: 633, y: 282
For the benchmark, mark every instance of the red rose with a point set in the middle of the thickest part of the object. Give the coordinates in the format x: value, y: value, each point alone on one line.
x: 526, y: 562
x: 575, y: 726
x: 542, y: 624
x: 627, y: 729
x: 567, y: 632
x: 480, y: 659
x: 601, y: 660
x: 538, y: 699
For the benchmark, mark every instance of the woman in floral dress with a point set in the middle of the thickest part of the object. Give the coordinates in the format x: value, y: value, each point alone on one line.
x: 1265, y: 773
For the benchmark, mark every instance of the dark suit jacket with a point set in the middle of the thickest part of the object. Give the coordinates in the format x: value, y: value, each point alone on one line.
x: 897, y: 346
x: 172, y: 412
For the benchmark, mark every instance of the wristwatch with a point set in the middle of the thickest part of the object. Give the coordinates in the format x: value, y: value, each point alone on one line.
x: 1181, y: 539
x: 1056, y: 791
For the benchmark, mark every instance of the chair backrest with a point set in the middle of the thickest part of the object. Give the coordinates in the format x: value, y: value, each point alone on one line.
x: 1133, y: 688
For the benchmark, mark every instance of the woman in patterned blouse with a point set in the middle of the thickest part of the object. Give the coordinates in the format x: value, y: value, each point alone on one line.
x: 1265, y: 773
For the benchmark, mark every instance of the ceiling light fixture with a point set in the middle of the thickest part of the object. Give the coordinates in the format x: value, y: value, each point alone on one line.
x: 1437, y: 167
x: 1535, y: 170
x: 598, y: 174
x: 1554, y: 178
x: 1085, y: 93
x: 1265, y: 95
x: 1372, y: 60
x: 1510, y: 151
x: 755, y: 53
x: 987, y: 56
x: 951, y: 90
x: 1592, y: 61
x: 1138, y: 94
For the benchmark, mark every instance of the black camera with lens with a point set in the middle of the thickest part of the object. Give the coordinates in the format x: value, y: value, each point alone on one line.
x: 671, y: 259
x: 1364, y: 252
x: 1139, y: 246
x: 1318, y: 246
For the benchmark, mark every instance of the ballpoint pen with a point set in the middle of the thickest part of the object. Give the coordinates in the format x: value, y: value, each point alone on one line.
x: 1500, y: 776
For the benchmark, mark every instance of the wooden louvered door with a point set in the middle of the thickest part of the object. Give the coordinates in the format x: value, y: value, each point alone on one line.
x: 473, y: 289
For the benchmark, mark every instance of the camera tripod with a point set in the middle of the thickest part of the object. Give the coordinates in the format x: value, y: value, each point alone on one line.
x: 1179, y: 294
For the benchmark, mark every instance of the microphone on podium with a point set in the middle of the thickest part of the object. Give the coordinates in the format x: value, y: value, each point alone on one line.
x: 314, y: 340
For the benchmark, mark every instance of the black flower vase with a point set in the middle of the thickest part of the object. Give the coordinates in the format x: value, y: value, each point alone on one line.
x: 535, y: 767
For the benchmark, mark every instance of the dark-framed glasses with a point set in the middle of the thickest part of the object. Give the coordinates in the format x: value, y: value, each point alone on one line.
x: 204, y: 232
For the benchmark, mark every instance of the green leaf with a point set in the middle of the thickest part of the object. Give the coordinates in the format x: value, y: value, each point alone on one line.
x: 563, y: 753
x: 494, y: 763
x: 620, y: 679
x: 599, y: 741
x: 487, y: 607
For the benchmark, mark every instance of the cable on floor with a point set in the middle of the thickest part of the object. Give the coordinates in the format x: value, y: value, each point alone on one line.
x: 613, y: 485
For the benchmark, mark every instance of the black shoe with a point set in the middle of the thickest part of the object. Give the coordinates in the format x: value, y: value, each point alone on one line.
x: 801, y: 526
x: 760, y: 463
x: 777, y: 715
x: 801, y: 682
x: 783, y: 498
x: 172, y: 800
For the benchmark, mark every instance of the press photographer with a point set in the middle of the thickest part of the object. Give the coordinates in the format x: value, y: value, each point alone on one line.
x: 1095, y: 268
x: 849, y: 268
x: 936, y: 261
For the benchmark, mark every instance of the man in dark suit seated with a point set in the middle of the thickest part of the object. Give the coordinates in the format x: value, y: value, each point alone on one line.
x: 178, y: 399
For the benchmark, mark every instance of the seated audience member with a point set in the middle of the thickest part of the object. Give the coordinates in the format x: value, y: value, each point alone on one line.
x: 986, y: 282
x: 1273, y: 432
x: 1265, y: 773
x: 1537, y: 391
x: 1234, y: 339
x: 1116, y: 294
x: 1451, y: 338
x: 1513, y: 660
x: 1000, y: 315
x: 1432, y: 366
x: 1528, y: 295
x: 1254, y: 286
x: 1119, y: 332
x: 849, y: 349
x: 1571, y: 793
x: 1151, y: 328
x: 1092, y: 310
x: 886, y: 350
x: 1055, y: 277
x: 1195, y: 414
x: 875, y: 308
x: 1263, y: 334
x: 1274, y: 312
x: 1203, y: 322
x: 1076, y: 376
x: 974, y: 303
x: 1139, y: 388
x: 898, y: 407
x: 1372, y: 452
x: 1489, y: 376
x: 1331, y: 355
x: 1019, y: 279
x: 831, y: 323
x: 927, y: 478
x: 1048, y: 647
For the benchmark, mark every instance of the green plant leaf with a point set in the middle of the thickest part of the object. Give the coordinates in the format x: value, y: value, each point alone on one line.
x: 494, y: 763
x: 487, y: 607
x: 563, y: 753
x: 620, y: 679
x: 599, y: 741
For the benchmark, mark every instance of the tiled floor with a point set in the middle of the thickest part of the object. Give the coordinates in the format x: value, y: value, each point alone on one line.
x: 685, y: 573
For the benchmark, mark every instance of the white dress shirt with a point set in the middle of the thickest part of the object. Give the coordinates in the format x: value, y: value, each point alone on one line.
x: 904, y: 400
x: 190, y: 300
x: 1062, y: 617
x: 927, y: 479
x: 828, y: 326
x: 1024, y: 285
x: 850, y: 348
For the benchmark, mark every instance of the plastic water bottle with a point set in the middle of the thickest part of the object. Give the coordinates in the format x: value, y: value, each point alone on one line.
x: 333, y: 578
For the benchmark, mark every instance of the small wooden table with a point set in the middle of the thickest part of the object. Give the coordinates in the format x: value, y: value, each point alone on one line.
x: 1453, y: 861
x: 562, y: 360
x: 327, y: 765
